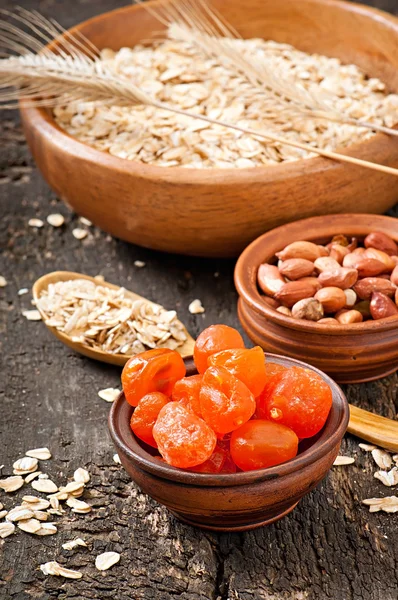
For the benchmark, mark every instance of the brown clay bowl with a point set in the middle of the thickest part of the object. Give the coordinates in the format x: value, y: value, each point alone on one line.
x: 238, y: 501
x: 348, y: 353
x: 218, y: 212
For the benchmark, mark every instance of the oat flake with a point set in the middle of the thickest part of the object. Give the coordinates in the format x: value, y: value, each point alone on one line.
x: 109, y: 394
x: 105, y: 561
x: 6, y: 529
x: 39, y: 453
x: 79, y: 233
x: 196, y: 308
x: 3, y: 281
x: 54, y: 568
x: 38, y: 223
x: 32, y: 315
x: 343, y: 460
x: 73, y: 544
x: 11, y: 484
x: 81, y: 475
x: 56, y: 220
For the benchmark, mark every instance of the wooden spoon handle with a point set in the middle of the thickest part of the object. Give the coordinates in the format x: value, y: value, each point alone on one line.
x: 370, y: 427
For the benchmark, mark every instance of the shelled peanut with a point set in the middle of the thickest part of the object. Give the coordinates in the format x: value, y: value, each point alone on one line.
x: 337, y: 284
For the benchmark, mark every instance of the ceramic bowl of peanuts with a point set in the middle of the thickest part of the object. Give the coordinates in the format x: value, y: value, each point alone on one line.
x: 325, y: 290
x: 232, y: 440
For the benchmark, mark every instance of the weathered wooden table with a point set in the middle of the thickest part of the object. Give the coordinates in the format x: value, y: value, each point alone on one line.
x: 330, y: 547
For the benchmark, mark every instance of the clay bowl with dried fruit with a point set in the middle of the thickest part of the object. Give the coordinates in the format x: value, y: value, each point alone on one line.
x: 236, y: 501
x: 217, y: 212
x: 347, y: 352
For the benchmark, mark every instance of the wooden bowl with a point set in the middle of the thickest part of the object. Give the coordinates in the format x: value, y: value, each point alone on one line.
x: 238, y: 501
x: 348, y: 353
x: 217, y: 212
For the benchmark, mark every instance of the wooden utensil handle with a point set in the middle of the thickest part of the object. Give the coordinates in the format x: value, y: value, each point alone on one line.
x: 373, y: 428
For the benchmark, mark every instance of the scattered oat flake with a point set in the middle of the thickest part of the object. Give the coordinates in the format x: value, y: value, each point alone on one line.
x: 3, y: 281
x: 75, y: 488
x: 382, y: 458
x: 78, y: 506
x: 30, y: 526
x: 19, y: 513
x: 139, y: 263
x: 46, y: 529
x: 39, y: 453
x: 105, y: 561
x: 11, y: 484
x: 388, y: 478
x: 85, y: 221
x: 54, y: 568
x: 40, y: 504
x: 32, y: 476
x: 367, y: 447
x: 44, y: 485
x: 23, y: 291
x: 3, y: 513
x: 56, y: 220
x: 32, y: 315
x: 35, y: 223
x: 79, y: 233
x: 81, y: 475
x: 25, y: 465
x: 116, y: 459
x: 388, y: 504
x: 73, y: 544
x: 109, y: 394
x: 6, y: 529
x: 196, y: 308
x: 343, y: 460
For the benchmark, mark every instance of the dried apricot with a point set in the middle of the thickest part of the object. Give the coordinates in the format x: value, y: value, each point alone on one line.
x: 145, y: 415
x: 225, y: 401
x: 184, y: 440
x: 273, y: 374
x: 214, y: 464
x: 259, y: 444
x: 246, y: 365
x: 214, y: 339
x: 152, y: 371
x: 301, y: 400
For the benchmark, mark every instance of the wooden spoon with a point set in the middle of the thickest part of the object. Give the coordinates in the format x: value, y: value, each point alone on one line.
x: 114, y: 359
x: 364, y: 424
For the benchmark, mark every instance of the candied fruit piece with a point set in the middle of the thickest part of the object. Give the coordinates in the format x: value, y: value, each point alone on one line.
x: 214, y: 464
x: 301, y: 400
x: 184, y: 440
x: 151, y: 371
x: 214, y: 339
x: 225, y: 401
x: 261, y: 444
x: 186, y: 391
x: 273, y: 374
x: 145, y: 414
x: 246, y: 365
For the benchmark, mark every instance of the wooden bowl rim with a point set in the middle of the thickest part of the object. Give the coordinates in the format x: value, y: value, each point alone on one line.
x: 245, y: 275
x: 43, y: 120
x: 331, y: 434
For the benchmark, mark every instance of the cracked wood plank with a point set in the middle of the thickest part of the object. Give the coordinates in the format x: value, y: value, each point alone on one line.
x: 329, y: 548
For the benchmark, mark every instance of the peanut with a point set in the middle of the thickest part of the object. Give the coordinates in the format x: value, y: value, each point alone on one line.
x: 313, y: 281
x: 325, y: 263
x: 365, y: 287
x: 331, y: 298
x: 342, y: 278
x: 350, y: 297
x: 295, y: 268
x: 365, y: 265
x: 381, y: 306
x: 348, y: 317
x: 306, y: 250
x: 328, y: 321
x: 269, y: 279
x: 338, y: 252
x: 309, y: 309
x: 359, y: 251
x: 292, y: 292
x: 381, y: 241
x: 383, y: 257
x: 284, y: 310
x: 323, y: 251
x: 394, y: 276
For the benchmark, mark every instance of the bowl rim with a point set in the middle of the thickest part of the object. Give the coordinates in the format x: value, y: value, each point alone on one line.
x: 245, y: 274
x: 44, y: 121
x: 330, y: 435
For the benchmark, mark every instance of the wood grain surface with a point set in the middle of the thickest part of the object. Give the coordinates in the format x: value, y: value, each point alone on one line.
x: 329, y: 548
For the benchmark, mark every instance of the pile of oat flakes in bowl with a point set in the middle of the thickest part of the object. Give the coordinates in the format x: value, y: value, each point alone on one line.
x: 180, y: 74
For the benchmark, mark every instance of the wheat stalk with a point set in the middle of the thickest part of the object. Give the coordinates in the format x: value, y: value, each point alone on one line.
x: 195, y: 22
x: 44, y: 77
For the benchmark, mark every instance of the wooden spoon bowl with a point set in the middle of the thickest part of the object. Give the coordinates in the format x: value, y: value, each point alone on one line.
x: 217, y: 212
x: 348, y: 353
x: 238, y: 501
x: 115, y: 359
